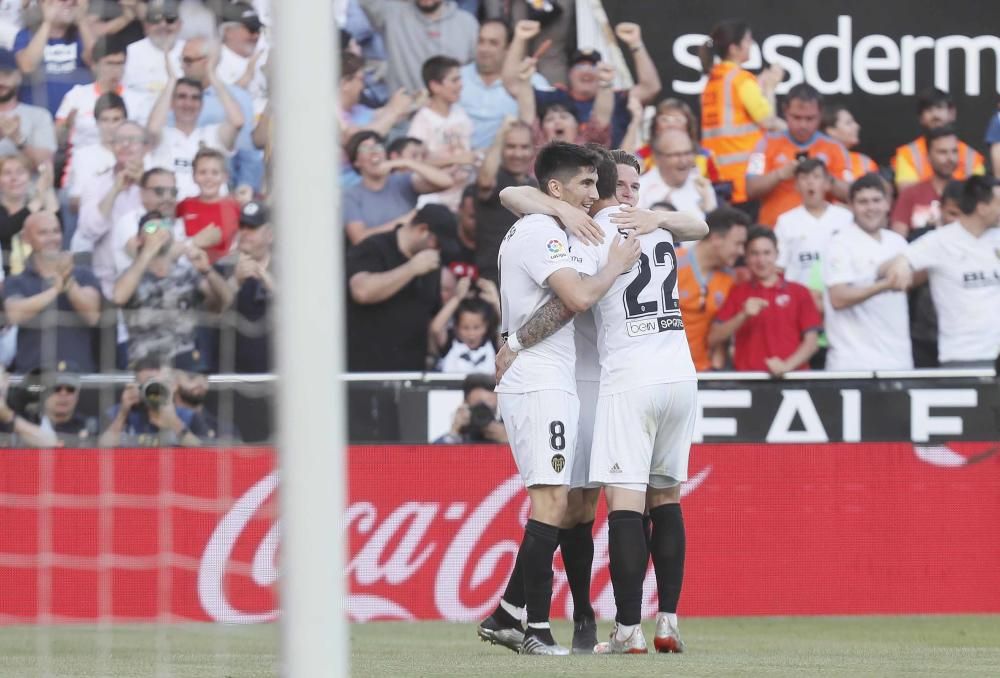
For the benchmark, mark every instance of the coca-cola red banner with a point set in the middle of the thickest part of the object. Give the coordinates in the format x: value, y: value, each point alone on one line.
x: 170, y: 535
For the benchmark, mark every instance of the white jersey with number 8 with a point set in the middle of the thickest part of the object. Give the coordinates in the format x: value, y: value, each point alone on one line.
x: 641, y: 336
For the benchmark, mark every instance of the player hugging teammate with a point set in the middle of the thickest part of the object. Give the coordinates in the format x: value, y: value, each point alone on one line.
x: 607, y: 400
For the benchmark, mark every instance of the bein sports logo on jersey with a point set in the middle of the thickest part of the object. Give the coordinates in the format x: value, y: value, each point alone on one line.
x: 644, y: 326
x: 556, y: 250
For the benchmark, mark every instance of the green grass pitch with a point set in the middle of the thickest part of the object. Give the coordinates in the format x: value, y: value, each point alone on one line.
x: 760, y: 646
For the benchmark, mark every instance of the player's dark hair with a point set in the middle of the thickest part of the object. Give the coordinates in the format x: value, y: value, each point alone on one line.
x: 976, y: 190
x: 625, y: 158
x: 399, y: 145
x: 804, y: 92
x: 350, y: 64
x: 952, y: 191
x: 811, y: 165
x: 562, y: 161
x: 830, y: 114
x: 724, y: 35
x: 932, y: 135
x: 870, y: 181
x: 932, y: 97
x: 509, y: 34
x: 358, y: 138
x: 436, y: 69
x: 722, y: 219
x: 477, y: 380
x: 758, y: 232
x: 607, y: 172
x: 109, y: 101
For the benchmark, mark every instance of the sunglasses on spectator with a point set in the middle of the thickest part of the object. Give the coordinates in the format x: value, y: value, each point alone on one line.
x: 63, y: 388
x: 163, y: 191
x: 158, y: 18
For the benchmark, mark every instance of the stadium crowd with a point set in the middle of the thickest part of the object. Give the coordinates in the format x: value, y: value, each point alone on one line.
x: 134, y: 220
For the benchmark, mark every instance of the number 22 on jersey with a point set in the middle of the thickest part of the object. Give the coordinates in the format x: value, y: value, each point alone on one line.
x: 662, y: 313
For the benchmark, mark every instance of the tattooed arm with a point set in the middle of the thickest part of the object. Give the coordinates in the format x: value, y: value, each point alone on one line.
x: 545, y: 322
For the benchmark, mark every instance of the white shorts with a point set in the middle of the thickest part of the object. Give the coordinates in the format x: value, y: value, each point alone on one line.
x: 643, y: 436
x: 587, y: 392
x: 541, y: 427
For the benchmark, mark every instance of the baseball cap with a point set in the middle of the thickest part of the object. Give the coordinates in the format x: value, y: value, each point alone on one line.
x: 7, y: 61
x: 165, y: 9
x: 254, y: 215
x: 190, y: 361
x: 242, y: 13
x: 591, y: 56
x: 64, y: 374
x: 442, y: 223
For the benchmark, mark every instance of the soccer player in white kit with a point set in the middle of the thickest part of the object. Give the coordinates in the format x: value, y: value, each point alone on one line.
x: 576, y: 535
x: 537, y: 397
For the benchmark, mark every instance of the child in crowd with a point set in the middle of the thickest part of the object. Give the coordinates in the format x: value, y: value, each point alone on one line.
x: 445, y: 128
x: 464, y: 330
x: 211, y: 209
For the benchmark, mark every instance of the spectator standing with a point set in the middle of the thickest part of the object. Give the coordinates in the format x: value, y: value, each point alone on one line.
x: 675, y: 177
x: 178, y: 143
x: 704, y: 279
x: 866, y: 321
x: 559, y: 121
x: 935, y: 108
x: 248, y: 161
x: 840, y: 125
x: 17, y: 202
x: 480, y: 397
x: 244, y: 53
x: 416, y: 30
x: 557, y: 28
x: 771, y: 169
x: 146, y: 73
x: 160, y: 297
x: 964, y: 273
x: 484, y: 97
x: 736, y: 107
x: 385, y: 197
x: 147, y: 416
x: 210, y: 208
x: 94, y: 159
x: 107, y: 197
x: 584, y: 79
x: 775, y: 322
x: 394, y: 285
x: 24, y: 128
x: 445, y: 129
x: 919, y: 204
x: 56, y: 55
x: 252, y: 282
x: 507, y: 163
x: 804, y: 232
x: 54, y: 303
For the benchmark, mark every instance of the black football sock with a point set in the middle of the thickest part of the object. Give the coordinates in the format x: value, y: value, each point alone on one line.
x: 668, y: 554
x: 513, y: 596
x: 577, y: 546
x: 629, y: 558
x: 537, y: 549
x: 647, y: 529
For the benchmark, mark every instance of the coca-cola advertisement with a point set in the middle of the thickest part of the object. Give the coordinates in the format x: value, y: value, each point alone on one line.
x: 183, y: 534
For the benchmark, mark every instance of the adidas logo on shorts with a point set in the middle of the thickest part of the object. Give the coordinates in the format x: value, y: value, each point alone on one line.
x: 615, y: 469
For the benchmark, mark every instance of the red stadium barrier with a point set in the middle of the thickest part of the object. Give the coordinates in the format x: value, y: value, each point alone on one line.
x: 170, y: 535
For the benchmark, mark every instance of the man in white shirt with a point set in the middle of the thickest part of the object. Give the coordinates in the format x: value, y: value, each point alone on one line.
x: 537, y: 395
x: 145, y: 66
x: 177, y: 144
x: 804, y: 231
x: 244, y: 53
x: 867, y: 319
x: 675, y: 178
x: 962, y: 262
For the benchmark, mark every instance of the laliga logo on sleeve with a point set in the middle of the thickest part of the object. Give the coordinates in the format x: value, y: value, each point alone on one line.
x: 556, y: 249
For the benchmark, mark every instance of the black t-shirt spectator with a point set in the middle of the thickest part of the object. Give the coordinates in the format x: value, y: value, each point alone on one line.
x: 10, y: 225
x: 252, y: 307
x: 493, y: 220
x: 390, y: 336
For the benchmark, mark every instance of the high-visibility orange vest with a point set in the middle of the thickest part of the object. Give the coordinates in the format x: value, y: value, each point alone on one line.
x: 861, y: 164
x: 726, y: 126
x: 915, y: 153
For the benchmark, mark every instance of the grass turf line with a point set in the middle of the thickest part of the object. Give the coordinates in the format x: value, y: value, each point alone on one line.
x: 764, y: 646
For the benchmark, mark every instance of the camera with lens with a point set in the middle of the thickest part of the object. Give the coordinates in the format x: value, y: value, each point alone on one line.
x: 481, y: 415
x: 25, y: 398
x: 154, y: 393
